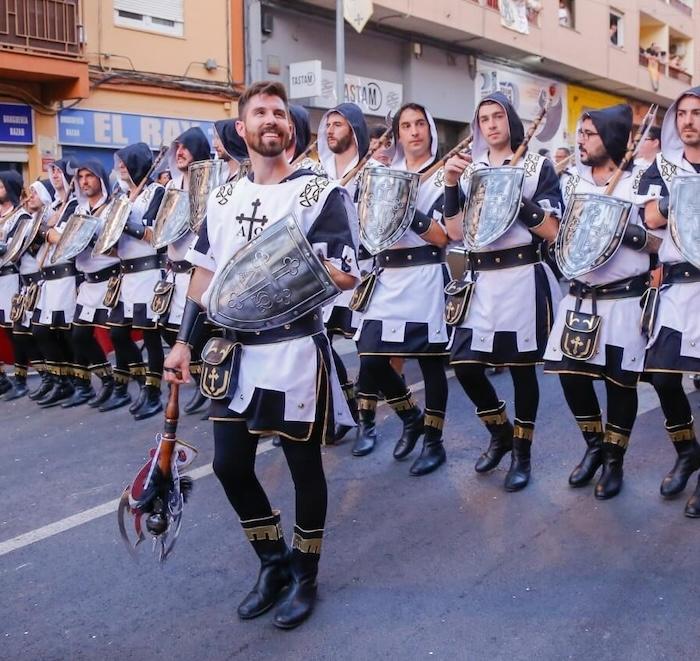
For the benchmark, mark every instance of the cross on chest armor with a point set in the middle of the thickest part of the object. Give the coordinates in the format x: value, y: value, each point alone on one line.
x: 253, y: 230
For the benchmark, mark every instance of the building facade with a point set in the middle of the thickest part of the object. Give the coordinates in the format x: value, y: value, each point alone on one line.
x: 86, y: 77
x: 450, y: 53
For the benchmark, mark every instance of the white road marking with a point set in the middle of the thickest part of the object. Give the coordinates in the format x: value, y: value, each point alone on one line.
x: 648, y: 401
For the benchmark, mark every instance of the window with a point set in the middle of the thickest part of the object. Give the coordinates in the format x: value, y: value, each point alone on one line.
x: 617, y: 35
x: 567, y: 13
x: 162, y: 16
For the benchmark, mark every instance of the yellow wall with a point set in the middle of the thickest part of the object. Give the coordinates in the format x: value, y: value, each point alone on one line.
x: 581, y: 99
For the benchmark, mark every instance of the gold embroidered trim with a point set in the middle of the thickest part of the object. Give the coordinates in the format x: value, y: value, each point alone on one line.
x: 20, y: 372
x: 366, y: 404
x: 102, y: 370
x: 616, y: 438
x: 195, y: 368
x: 307, y: 545
x: 152, y: 380
x: 137, y: 370
x: 525, y: 431
x: 403, y: 403
x: 272, y: 532
x: 434, y: 421
x: 590, y: 425
x: 121, y: 377
x: 494, y: 416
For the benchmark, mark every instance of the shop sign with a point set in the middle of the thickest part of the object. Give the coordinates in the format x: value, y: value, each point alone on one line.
x: 16, y: 124
x: 114, y: 130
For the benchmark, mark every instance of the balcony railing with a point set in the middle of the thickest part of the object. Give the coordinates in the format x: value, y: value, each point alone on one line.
x: 679, y: 74
x: 644, y: 61
x: 48, y: 26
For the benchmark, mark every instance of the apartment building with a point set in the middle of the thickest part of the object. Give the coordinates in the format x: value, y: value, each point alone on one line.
x: 449, y: 53
x: 85, y: 77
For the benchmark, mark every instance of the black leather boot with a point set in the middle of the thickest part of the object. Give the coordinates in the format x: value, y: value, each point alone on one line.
x: 692, y: 507
x: 518, y: 475
x: 62, y: 390
x: 610, y: 482
x: 265, y: 535
x: 413, y: 424
x: 592, y: 429
x: 19, y: 385
x: 5, y: 383
x: 366, y: 437
x: 151, y: 404
x: 687, y: 461
x: 105, y: 391
x: 432, y: 455
x: 501, y: 443
x: 82, y: 391
x: 43, y: 388
x: 120, y: 395
x: 298, y: 601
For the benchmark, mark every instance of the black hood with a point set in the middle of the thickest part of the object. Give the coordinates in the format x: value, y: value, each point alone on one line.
x: 13, y: 185
x: 302, y: 128
x: 68, y: 168
x: 614, y: 125
x: 195, y: 140
x: 94, y: 166
x: 138, y: 159
x: 233, y: 144
x: 515, y: 124
x: 352, y: 113
x: 45, y: 190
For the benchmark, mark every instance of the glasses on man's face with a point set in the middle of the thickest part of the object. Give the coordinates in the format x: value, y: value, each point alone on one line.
x: 586, y: 134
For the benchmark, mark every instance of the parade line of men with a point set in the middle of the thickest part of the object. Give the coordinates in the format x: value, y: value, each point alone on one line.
x: 504, y: 310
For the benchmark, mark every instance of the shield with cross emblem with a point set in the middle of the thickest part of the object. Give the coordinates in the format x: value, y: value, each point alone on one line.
x: 386, y: 206
x: 172, y: 219
x: 272, y: 280
x: 493, y: 202
x: 684, y: 217
x: 590, y: 232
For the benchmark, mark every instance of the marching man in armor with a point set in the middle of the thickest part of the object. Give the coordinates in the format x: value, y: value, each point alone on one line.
x: 404, y: 315
x: 273, y: 380
x: 342, y: 142
x: 507, y: 294
x: 52, y: 318
x: 229, y: 146
x: 596, y: 332
x: 140, y: 271
x: 674, y: 345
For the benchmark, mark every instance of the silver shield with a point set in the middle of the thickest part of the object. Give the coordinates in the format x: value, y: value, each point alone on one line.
x: 116, y: 215
x: 16, y: 244
x: 493, y: 202
x: 77, y: 233
x: 271, y: 281
x: 590, y: 232
x: 205, y: 176
x: 684, y: 217
x: 386, y: 206
x: 173, y: 218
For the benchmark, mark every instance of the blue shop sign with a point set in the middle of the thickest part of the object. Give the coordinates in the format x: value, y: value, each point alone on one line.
x: 114, y: 130
x: 16, y: 124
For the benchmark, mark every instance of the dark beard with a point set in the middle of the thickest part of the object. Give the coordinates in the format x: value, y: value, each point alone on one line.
x: 594, y: 161
x: 342, y: 144
x: 256, y: 144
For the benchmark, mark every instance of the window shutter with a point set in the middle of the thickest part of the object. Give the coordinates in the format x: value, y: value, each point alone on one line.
x: 170, y: 10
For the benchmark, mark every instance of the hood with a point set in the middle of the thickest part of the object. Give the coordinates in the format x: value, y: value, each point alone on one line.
x: 13, y: 185
x: 138, y: 159
x: 672, y: 146
x: 45, y: 190
x: 68, y: 170
x: 614, y: 125
x: 480, y: 148
x: 196, y: 142
x: 98, y: 170
x: 399, y: 161
x: 355, y: 117
x: 233, y: 144
x: 302, y: 128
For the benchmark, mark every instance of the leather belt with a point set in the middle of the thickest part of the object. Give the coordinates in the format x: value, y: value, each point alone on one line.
x: 58, y: 272
x: 504, y: 259
x: 682, y: 272
x: 147, y: 263
x: 7, y: 270
x: 404, y: 257
x: 308, y: 325
x: 29, y: 278
x: 627, y: 288
x: 179, y: 267
x: 103, y: 274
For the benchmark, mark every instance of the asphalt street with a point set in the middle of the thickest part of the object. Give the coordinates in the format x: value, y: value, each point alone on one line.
x: 443, y: 566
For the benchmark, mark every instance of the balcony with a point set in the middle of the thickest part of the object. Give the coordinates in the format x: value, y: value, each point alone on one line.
x: 40, y: 42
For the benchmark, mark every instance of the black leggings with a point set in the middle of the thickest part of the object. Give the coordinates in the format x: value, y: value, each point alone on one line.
x: 127, y: 353
x: 583, y: 401
x: 86, y: 349
x: 472, y: 377
x: 376, y: 373
x: 674, y: 401
x: 55, y: 345
x: 234, y: 465
x: 24, y: 348
x: 339, y: 365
